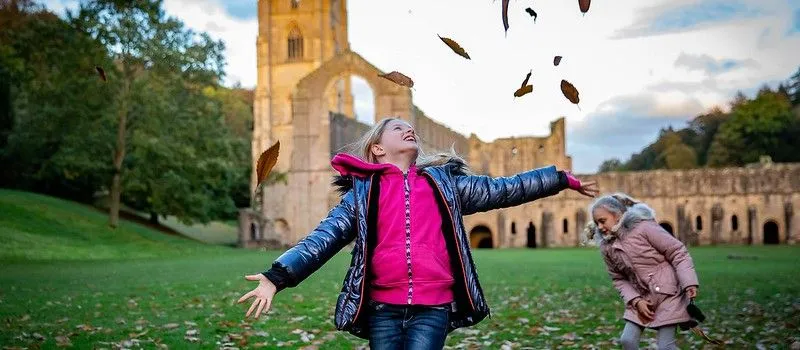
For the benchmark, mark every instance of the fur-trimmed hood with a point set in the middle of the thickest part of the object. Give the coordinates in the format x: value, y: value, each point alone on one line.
x: 349, y: 166
x: 633, y: 215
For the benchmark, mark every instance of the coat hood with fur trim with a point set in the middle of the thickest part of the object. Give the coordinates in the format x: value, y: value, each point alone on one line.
x: 349, y: 166
x: 635, y: 214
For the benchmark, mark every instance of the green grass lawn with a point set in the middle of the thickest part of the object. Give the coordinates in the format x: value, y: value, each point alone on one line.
x: 94, y: 288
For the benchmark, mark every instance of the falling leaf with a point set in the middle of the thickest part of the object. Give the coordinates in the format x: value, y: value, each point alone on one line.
x: 533, y: 14
x: 570, y: 92
x: 505, y: 16
x: 584, y: 5
x: 556, y: 60
x: 523, y: 91
x: 525, y: 82
x: 101, y: 72
x: 454, y: 46
x: 266, y: 161
x: 398, y: 78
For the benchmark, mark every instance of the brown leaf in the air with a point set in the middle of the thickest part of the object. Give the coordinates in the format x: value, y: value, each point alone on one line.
x: 584, y: 5
x: 101, y: 72
x: 523, y: 91
x: 570, y: 92
x: 533, y: 14
x: 454, y: 46
x: 398, y: 78
x: 527, y: 77
x: 266, y: 161
x: 505, y: 16
x: 556, y: 60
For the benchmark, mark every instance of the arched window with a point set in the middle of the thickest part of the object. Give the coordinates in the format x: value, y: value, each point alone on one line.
x: 698, y: 223
x: 565, y: 225
x: 295, y: 3
x: 734, y: 223
x: 295, y: 42
x: 513, y: 228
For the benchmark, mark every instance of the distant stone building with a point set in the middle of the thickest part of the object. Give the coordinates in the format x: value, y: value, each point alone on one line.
x: 303, y: 99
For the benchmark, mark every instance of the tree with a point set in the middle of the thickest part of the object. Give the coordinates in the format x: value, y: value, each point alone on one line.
x: 679, y: 156
x: 793, y: 88
x: 762, y: 126
x: 704, y: 127
x: 53, y: 92
x: 609, y: 165
x: 143, y: 42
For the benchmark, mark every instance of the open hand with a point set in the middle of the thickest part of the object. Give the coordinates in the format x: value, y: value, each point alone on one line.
x: 644, y: 308
x: 263, y: 294
x: 691, y: 292
x: 589, y: 189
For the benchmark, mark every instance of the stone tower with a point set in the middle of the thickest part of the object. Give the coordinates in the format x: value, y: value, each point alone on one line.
x: 295, y: 37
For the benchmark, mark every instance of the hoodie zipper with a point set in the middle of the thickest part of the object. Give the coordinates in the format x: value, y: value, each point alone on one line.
x: 455, y: 237
x: 407, y: 195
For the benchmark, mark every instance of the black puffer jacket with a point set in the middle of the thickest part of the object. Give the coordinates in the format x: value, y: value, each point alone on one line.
x: 354, y: 217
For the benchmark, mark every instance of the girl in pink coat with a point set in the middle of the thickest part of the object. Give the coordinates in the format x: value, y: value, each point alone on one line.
x: 652, y: 270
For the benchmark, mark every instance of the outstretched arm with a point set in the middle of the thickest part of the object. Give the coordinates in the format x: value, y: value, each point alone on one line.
x: 309, y: 254
x: 480, y: 193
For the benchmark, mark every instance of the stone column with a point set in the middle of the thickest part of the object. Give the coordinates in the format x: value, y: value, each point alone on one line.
x: 501, y: 230
x: 244, y: 227
x: 547, y: 229
x: 752, y: 225
x: 684, y: 233
x: 580, y: 223
x: 788, y: 213
x: 717, y: 214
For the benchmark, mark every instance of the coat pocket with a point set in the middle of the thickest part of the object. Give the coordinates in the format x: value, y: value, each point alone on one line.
x: 663, y: 280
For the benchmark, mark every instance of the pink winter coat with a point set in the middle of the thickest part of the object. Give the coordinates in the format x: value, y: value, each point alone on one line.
x: 646, y: 261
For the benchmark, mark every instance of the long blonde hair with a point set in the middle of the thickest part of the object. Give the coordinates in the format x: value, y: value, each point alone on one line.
x: 362, y: 148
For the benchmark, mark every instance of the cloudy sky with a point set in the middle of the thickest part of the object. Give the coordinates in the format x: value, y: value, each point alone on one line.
x: 639, y: 65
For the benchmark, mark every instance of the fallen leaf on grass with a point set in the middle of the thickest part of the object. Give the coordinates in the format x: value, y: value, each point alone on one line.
x: 63, y: 341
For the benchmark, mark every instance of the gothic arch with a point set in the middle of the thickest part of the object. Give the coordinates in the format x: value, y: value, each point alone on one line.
x: 306, y: 143
x: 481, y: 237
x: 295, y: 47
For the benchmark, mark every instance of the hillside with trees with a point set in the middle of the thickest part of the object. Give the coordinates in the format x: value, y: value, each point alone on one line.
x: 767, y: 124
x: 155, y: 132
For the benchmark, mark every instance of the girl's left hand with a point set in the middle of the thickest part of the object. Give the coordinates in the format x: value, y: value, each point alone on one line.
x: 588, y: 189
x: 691, y: 292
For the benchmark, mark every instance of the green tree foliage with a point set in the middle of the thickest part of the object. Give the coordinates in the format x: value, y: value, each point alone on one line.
x: 609, y: 165
x: 146, y: 46
x: 762, y: 126
x: 182, y: 142
x: 50, y: 92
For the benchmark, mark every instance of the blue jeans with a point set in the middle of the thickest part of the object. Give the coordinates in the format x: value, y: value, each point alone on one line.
x: 407, y: 327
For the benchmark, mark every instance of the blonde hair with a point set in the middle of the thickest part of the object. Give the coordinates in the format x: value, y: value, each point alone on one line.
x: 363, y: 148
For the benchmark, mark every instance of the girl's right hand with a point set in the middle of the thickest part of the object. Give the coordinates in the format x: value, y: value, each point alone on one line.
x: 263, y: 294
x: 643, y: 308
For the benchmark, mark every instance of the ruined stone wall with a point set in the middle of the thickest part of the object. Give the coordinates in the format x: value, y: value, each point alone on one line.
x: 437, y: 137
x: 703, y: 207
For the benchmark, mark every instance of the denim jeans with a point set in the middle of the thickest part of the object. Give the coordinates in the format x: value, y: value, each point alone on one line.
x: 407, y: 326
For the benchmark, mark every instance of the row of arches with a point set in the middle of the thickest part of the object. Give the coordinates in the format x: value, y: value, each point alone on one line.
x: 771, y: 230
x: 481, y: 235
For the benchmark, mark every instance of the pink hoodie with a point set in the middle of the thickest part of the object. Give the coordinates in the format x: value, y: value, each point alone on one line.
x: 410, y: 263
